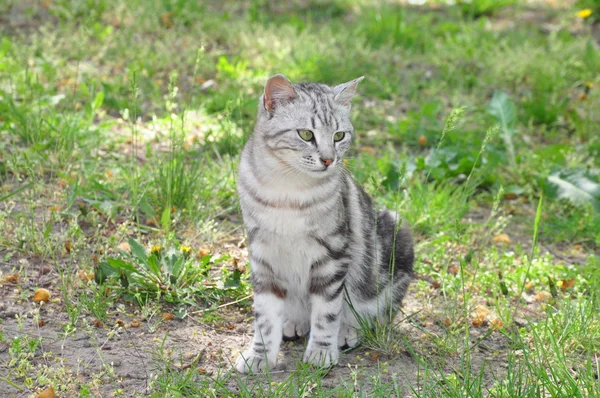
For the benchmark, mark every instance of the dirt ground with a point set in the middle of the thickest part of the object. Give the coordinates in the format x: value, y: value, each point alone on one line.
x: 128, y: 358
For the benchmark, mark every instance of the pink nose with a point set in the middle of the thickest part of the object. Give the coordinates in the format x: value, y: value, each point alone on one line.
x: 326, y: 162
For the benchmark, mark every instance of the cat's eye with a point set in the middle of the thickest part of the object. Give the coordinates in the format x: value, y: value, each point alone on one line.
x: 339, y: 136
x: 306, y: 135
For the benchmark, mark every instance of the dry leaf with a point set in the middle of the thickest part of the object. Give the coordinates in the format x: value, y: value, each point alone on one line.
x: 496, y: 323
x: 479, y: 320
x: 166, y: 20
x: 543, y: 296
x: 482, y: 310
x: 203, y: 252
x: 12, y: 278
x: 453, y: 269
x: 567, y: 284
x: 84, y: 276
x: 501, y: 238
x: 135, y: 324
x: 124, y: 246
x: 46, y: 269
x: 167, y: 316
x: 47, y: 393
x: 41, y: 295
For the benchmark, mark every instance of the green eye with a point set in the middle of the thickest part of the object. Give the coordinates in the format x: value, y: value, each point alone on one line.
x: 339, y: 136
x: 306, y: 135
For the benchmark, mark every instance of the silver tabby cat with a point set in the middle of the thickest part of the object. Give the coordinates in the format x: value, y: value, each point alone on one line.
x: 319, y: 253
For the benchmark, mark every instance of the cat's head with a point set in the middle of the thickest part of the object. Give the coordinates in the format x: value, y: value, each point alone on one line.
x: 306, y: 126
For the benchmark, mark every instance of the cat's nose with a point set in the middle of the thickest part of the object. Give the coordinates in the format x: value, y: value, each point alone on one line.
x: 326, y: 162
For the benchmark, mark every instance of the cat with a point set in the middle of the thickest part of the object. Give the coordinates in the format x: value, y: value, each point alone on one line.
x: 319, y: 253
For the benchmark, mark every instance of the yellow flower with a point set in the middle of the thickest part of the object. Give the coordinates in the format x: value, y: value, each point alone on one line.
x: 583, y: 14
x: 155, y: 249
x: 185, y: 249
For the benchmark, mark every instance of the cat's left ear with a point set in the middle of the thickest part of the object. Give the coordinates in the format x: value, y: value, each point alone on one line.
x: 345, y: 91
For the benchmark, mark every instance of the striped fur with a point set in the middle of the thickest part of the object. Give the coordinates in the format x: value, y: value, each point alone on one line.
x: 319, y: 252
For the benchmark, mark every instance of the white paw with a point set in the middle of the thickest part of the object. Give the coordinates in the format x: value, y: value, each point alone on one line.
x: 252, y: 362
x: 348, y: 337
x: 321, y: 357
x: 293, y: 330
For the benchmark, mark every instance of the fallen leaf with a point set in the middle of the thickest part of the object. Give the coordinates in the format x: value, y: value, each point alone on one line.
x: 124, y: 246
x: 47, y: 393
x: 501, y: 238
x: 167, y: 316
x: 166, y: 20
x: 46, y: 269
x: 135, y: 324
x: 482, y: 310
x: 496, y: 323
x: 453, y: 270
x: 12, y: 278
x: 478, y: 320
x: 567, y: 284
x: 84, y: 276
x: 41, y: 295
x: 203, y: 252
x: 543, y: 296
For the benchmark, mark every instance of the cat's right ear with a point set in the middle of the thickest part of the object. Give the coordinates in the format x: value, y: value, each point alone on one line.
x: 278, y: 90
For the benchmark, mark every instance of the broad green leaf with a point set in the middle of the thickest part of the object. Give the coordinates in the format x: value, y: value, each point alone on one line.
x: 138, y: 250
x: 103, y: 271
x: 98, y: 100
x: 576, y: 186
x: 503, y: 109
x: 119, y: 265
x: 165, y: 219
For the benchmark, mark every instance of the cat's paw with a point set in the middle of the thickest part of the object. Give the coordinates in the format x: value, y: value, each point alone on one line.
x: 252, y: 362
x: 348, y: 337
x: 293, y: 331
x: 321, y: 357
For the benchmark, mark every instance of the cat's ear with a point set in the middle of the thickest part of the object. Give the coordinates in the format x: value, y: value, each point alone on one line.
x: 345, y: 91
x: 278, y: 90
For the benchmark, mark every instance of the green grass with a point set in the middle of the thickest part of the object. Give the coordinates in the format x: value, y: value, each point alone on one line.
x: 123, y: 122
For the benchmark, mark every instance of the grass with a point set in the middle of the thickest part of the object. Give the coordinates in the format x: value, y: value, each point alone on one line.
x: 121, y: 126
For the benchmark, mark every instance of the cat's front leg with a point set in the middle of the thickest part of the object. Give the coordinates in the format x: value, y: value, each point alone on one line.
x: 326, y: 296
x: 268, y: 322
